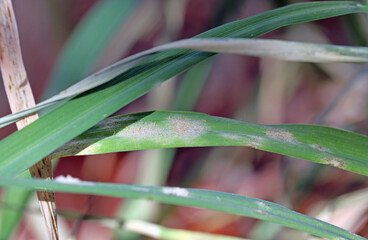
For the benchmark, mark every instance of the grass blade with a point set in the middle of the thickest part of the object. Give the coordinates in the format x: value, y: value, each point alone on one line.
x: 10, y: 216
x: 285, y: 50
x: 185, y: 129
x: 218, y: 201
x: 279, y: 49
x: 191, y: 87
x: 69, y: 120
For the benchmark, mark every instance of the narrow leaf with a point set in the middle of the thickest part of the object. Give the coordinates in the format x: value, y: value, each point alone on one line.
x: 284, y: 50
x: 218, y: 201
x: 280, y: 49
x: 161, y: 129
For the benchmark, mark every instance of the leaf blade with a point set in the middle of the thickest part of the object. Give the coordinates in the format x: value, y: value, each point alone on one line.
x: 161, y: 129
x: 284, y: 50
x: 213, y: 200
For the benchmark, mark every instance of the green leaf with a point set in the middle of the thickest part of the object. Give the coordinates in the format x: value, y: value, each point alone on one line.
x: 11, y: 199
x: 218, y: 201
x: 161, y: 129
x: 191, y: 86
x: 69, y: 120
x: 285, y: 50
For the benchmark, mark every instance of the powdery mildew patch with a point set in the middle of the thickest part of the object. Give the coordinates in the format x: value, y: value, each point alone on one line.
x: 177, y: 127
x: 281, y: 135
x: 263, y: 205
x: 71, y: 180
x: 231, y: 136
x: 186, y: 128
x: 334, y: 162
x: 320, y: 148
x: 255, y: 142
x: 176, y: 191
x: 261, y: 212
x: 140, y: 189
x: 144, y: 131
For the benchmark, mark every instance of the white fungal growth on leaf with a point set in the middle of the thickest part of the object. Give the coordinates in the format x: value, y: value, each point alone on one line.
x: 263, y: 205
x: 71, y: 180
x: 231, y: 136
x: 140, y: 189
x: 175, y: 127
x: 320, y: 148
x: 176, y: 191
x: 255, y: 142
x: 187, y: 128
x: 281, y: 135
x: 334, y: 162
x: 140, y: 130
x: 263, y: 213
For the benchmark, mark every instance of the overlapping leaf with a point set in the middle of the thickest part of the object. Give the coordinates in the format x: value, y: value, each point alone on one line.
x: 285, y: 50
x: 66, y: 122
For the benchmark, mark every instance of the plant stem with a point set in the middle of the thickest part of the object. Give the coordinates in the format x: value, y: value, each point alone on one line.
x: 20, y: 97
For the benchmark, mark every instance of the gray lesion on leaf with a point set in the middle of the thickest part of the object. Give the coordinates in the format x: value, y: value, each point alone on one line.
x: 176, y: 191
x: 255, y: 142
x: 261, y: 212
x: 320, y: 148
x: 232, y: 136
x: 175, y: 128
x: 139, y: 130
x: 334, y: 162
x: 281, y: 135
x: 186, y: 129
x: 263, y: 206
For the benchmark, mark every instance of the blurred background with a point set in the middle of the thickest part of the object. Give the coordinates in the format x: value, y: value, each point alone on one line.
x: 65, y: 40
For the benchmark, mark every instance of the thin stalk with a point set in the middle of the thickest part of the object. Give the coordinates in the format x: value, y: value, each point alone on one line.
x: 20, y: 97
